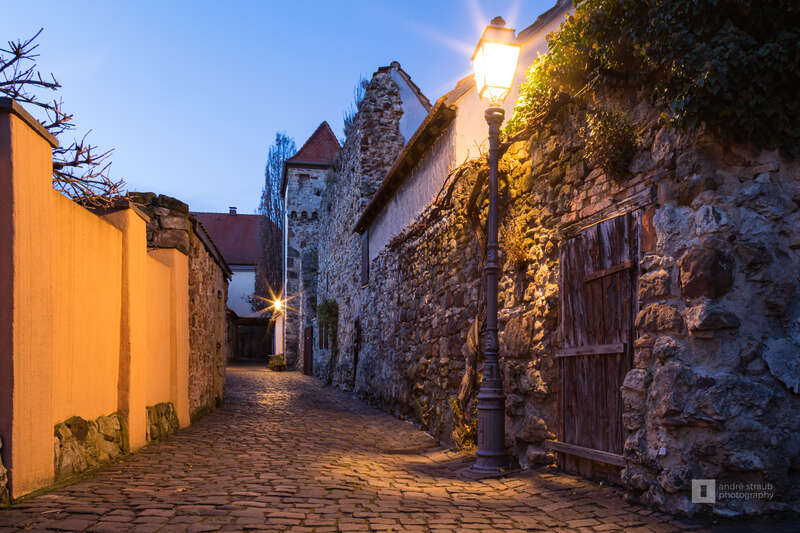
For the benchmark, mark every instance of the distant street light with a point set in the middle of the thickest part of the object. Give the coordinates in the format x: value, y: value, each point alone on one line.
x: 495, y: 62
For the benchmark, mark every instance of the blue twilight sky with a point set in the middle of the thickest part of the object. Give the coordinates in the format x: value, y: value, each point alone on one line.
x: 191, y: 93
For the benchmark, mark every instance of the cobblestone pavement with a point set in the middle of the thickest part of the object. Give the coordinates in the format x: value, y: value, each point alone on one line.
x: 285, y: 453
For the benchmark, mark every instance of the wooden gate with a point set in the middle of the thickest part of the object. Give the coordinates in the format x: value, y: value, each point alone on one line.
x: 598, y: 302
x: 308, y: 353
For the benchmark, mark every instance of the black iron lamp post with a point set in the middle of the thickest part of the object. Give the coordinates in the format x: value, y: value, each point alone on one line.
x: 494, y: 61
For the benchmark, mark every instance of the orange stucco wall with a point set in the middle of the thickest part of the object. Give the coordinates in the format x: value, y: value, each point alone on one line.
x: 30, y: 439
x: 87, y: 294
x: 132, y: 362
x: 90, y: 321
x: 177, y: 291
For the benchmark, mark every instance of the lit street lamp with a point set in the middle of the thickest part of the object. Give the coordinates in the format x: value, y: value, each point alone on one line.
x: 494, y: 61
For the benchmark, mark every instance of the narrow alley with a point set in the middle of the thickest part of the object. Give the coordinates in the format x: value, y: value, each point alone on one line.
x: 287, y: 454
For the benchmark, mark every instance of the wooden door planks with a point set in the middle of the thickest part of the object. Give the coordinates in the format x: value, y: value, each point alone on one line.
x: 599, y: 268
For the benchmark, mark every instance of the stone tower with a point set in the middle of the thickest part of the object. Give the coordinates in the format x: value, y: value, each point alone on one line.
x: 304, y: 177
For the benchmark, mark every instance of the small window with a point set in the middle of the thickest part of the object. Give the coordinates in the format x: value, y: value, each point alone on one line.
x: 365, y: 258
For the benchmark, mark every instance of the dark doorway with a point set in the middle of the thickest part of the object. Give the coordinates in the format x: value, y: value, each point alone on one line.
x: 598, y: 301
x: 308, y: 347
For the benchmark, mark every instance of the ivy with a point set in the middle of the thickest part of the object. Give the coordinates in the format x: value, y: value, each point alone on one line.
x: 609, y: 142
x: 733, y: 65
x: 328, y: 318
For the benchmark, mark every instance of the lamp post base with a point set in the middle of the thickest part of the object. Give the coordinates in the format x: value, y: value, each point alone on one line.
x: 476, y: 472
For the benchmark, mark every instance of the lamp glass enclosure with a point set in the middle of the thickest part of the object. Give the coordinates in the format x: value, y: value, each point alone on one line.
x: 495, y: 62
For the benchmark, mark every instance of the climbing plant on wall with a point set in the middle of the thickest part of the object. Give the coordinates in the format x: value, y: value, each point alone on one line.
x: 733, y: 65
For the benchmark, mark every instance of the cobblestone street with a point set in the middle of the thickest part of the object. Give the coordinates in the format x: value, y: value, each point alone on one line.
x: 285, y: 453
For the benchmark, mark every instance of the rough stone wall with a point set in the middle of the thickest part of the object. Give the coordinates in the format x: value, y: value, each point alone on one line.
x: 83, y: 444
x: 210, y: 348
x: 304, y: 188
x: 210, y: 341
x: 162, y: 421
x: 714, y: 388
x: 359, y: 169
x: 714, y: 392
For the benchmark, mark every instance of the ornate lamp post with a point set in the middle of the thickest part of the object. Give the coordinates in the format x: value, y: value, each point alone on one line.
x: 494, y: 61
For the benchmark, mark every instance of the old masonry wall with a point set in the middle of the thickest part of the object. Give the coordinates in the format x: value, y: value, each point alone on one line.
x: 714, y: 387
x: 359, y: 168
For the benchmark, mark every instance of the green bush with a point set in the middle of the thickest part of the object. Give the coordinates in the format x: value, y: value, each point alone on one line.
x: 609, y: 142
x: 731, y: 64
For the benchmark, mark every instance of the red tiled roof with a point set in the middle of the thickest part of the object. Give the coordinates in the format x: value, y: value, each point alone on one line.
x: 319, y: 148
x: 237, y: 237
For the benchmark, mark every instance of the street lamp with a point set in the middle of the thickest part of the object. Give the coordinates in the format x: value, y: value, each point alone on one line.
x: 494, y: 61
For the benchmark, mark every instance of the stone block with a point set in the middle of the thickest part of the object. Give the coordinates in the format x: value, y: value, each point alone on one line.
x: 537, y: 456
x: 173, y: 204
x: 162, y: 421
x: 709, y: 317
x: 83, y: 444
x: 687, y: 190
x: 174, y: 222
x: 659, y: 317
x: 654, y: 285
x: 783, y: 359
x: 674, y: 478
x: 172, y: 238
x: 534, y: 429
x: 666, y: 347
x: 710, y: 219
x: 706, y: 272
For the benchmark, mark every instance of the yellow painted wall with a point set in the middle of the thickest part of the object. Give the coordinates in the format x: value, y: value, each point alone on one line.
x: 158, y: 354
x: 90, y: 321
x: 132, y: 373
x: 178, y: 264
x: 87, y: 304
x: 26, y: 161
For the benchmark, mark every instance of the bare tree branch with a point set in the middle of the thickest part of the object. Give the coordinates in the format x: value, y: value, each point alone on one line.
x: 80, y: 170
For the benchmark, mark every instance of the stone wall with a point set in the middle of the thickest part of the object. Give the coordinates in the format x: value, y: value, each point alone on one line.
x: 304, y: 186
x: 162, y: 421
x: 210, y: 344
x: 210, y: 348
x: 714, y: 388
x: 359, y: 168
x: 83, y: 444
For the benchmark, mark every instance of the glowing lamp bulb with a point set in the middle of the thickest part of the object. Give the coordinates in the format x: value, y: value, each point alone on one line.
x: 495, y: 61
x: 277, y: 304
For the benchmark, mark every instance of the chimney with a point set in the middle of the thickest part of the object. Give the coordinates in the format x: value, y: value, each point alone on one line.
x: 232, y: 210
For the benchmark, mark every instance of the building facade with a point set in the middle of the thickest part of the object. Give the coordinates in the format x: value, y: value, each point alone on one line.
x: 304, y: 178
x: 648, y: 322
x: 238, y: 238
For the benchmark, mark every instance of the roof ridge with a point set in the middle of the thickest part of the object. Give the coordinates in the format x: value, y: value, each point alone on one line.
x: 323, y: 129
x: 426, y: 103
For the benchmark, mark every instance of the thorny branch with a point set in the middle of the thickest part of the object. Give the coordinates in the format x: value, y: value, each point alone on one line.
x: 80, y: 170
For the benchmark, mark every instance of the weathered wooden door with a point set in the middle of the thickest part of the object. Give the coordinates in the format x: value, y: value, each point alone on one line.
x: 598, y: 301
x: 308, y: 347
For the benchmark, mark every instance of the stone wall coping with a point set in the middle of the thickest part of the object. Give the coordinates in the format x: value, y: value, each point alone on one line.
x: 9, y: 105
x: 208, y: 242
x: 440, y: 117
x: 120, y: 204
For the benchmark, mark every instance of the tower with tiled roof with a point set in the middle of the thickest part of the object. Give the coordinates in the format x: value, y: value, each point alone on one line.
x: 303, y: 181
